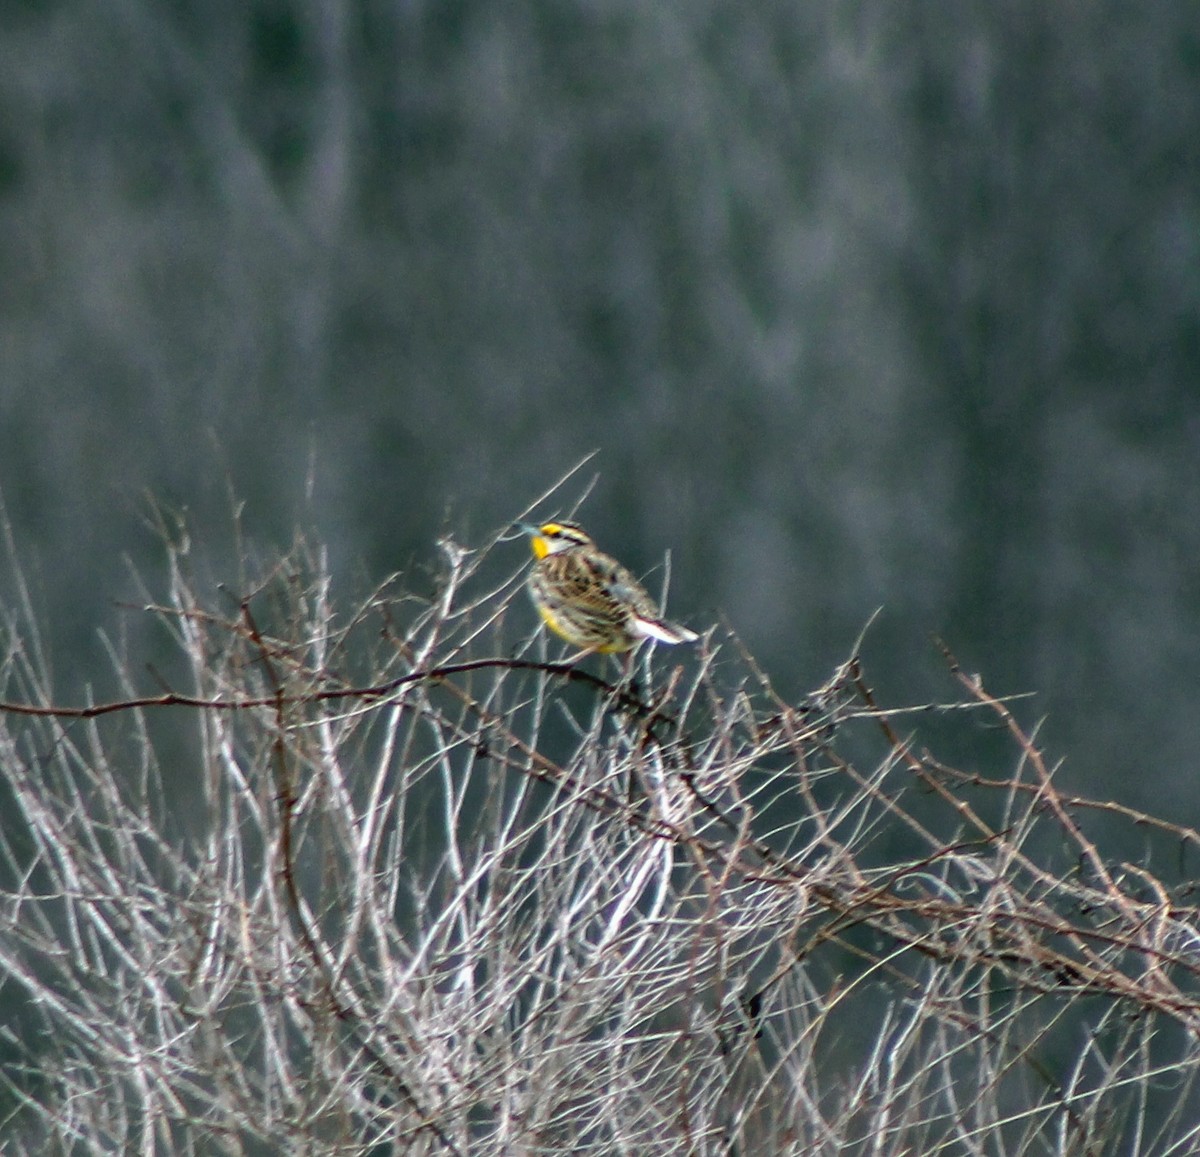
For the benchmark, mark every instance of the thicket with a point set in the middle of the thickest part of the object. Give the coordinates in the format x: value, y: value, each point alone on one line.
x: 395, y: 878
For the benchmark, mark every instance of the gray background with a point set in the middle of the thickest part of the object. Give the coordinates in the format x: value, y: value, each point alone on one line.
x: 863, y: 304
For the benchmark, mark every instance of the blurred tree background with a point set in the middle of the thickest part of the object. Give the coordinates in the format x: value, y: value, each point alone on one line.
x: 862, y: 303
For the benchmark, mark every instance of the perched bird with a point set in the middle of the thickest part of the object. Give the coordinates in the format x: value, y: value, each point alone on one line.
x: 590, y: 599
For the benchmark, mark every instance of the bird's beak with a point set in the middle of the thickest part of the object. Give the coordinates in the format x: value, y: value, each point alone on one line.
x: 540, y: 546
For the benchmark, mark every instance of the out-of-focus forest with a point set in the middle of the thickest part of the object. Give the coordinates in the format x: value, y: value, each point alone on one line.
x: 863, y: 304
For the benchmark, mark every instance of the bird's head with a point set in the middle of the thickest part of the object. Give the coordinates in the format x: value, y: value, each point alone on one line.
x: 555, y: 537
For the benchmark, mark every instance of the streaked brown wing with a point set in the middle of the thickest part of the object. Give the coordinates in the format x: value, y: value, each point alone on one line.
x: 620, y: 586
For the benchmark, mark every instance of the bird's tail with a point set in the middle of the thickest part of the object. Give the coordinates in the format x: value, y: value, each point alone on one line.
x: 664, y: 632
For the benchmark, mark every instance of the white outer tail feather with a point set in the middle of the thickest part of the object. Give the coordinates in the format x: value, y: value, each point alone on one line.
x: 664, y: 632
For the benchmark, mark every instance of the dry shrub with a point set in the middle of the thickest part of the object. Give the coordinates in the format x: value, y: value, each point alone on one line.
x: 396, y: 881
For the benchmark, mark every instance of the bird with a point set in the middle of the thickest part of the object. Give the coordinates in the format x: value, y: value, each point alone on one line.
x: 588, y: 598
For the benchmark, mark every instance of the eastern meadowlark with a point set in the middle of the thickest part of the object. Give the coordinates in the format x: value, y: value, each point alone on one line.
x: 590, y: 599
